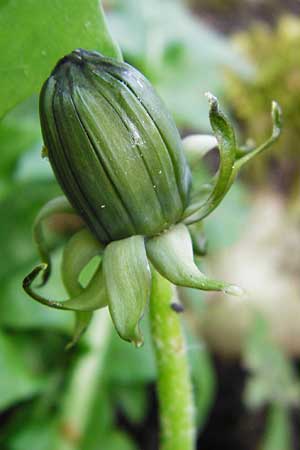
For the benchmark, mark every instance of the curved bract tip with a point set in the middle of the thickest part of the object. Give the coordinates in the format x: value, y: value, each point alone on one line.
x: 232, y: 158
x: 171, y: 254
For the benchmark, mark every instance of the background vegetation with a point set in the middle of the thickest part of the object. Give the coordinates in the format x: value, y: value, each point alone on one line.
x: 244, y: 354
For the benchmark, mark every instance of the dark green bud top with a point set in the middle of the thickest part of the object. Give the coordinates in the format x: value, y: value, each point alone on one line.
x: 113, y: 146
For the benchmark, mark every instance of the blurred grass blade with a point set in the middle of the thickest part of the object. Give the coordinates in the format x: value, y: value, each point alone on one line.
x: 278, y: 434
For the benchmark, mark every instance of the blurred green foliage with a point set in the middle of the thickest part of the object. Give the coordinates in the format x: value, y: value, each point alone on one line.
x: 183, y: 61
x: 274, y: 54
x: 272, y: 382
x: 36, y: 374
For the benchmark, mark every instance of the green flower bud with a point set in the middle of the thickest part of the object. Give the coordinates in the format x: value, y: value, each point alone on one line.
x: 118, y: 158
x: 113, y: 147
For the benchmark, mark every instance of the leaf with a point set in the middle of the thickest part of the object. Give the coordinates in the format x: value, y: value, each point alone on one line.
x: 171, y: 253
x: 118, y: 440
x: 17, y: 212
x: 278, y: 434
x: 203, y: 377
x: 35, y: 34
x: 128, y: 279
x: 18, y: 311
x: 17, y: 382
x: 19, y: 132
x: 269, y: 368
x: 132, y: 399
x: 36, y: 434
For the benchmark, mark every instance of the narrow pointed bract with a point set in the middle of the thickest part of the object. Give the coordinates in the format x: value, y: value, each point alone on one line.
x: 231, y: 159
x: 91, y: 298
x: 171, y: 253
x: 128, y: 281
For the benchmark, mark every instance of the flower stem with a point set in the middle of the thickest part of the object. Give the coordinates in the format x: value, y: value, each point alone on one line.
x: 174, y: 384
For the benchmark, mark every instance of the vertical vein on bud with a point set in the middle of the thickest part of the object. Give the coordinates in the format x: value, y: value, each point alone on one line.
x: 62, y: 171
x: 179, y: 166
x: 103, y: 166
x: 140, y: 153
x: 86, y: 206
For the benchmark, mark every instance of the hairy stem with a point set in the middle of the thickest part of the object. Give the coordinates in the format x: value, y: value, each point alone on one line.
x: 174, y: 384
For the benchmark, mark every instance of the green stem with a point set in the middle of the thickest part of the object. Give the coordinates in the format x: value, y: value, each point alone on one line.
x: 174, y: 384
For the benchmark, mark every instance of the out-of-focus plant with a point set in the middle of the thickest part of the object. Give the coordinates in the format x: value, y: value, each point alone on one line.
x: 46, y: 393
x: 274, y: 54
x: 119, y: 159
x: 272, y: 383
x: 182, y: 61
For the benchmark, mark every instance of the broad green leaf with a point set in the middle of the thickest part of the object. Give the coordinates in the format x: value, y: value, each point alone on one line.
x: 171, y: 253
x: 128, y: 279
x: 17, y: 382
x: 19, y: 132
x: 34, y: 34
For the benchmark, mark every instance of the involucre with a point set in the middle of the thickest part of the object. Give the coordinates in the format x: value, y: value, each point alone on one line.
x: 113, y: 146
x: 120, y: 161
